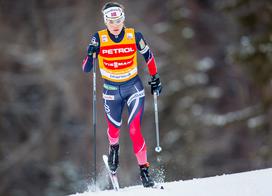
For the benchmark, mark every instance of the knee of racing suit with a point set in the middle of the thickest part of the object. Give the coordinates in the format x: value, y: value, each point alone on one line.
x: 113, y: 133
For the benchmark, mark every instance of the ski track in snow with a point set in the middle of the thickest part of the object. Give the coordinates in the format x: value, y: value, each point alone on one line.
x: 253, y: 183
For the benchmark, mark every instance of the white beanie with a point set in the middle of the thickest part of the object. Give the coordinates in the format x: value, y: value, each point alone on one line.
x: 113, y: 13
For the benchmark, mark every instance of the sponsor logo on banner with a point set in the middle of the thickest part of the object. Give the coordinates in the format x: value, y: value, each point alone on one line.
x: 118, y: 50
x: 118, y: 76
x: 110, y: 87
x: 108, y: 97
x: 104, y: 38
x: 118, y: 64
x: 130, y: 36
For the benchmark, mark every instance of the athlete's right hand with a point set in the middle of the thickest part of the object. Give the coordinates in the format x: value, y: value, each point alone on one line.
x: 93, y: 48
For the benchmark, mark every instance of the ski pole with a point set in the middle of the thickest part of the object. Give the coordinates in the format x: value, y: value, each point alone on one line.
x: 94, y: 117
x: 155, y: 96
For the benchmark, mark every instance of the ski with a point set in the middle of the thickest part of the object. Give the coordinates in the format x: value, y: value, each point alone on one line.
x: 113, y: 176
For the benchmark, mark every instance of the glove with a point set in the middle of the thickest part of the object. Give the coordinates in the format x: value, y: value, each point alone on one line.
x: 155, y: 84
x: 93, y: 48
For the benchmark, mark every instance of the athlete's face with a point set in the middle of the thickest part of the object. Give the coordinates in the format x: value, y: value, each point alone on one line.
x: 115, y: 26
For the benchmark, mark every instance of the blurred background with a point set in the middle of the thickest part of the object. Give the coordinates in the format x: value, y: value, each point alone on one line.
x: 215, y: 62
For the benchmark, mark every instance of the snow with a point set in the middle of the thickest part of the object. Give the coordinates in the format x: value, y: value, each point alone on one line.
x: 253, y: 183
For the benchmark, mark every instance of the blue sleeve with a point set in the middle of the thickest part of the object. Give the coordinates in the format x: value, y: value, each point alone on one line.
x: 87, y: 64
x: 143, y: 47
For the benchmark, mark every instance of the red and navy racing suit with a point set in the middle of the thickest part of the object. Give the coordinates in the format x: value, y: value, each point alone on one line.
x: 131, y: 93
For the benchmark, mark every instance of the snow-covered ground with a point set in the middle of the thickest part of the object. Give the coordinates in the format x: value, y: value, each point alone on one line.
x: 254, y: 183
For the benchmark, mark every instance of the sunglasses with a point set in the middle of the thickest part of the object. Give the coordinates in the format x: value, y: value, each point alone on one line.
x: 116, y: 22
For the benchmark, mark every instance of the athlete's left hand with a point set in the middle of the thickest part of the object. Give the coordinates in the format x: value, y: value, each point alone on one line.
x: 155, y: 84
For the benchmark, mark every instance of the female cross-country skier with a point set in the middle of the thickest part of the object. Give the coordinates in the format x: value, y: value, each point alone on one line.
x: 116, y: 48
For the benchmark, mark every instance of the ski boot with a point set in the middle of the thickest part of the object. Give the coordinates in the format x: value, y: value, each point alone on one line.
x: 113, y: 159
x: 145, y: 178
